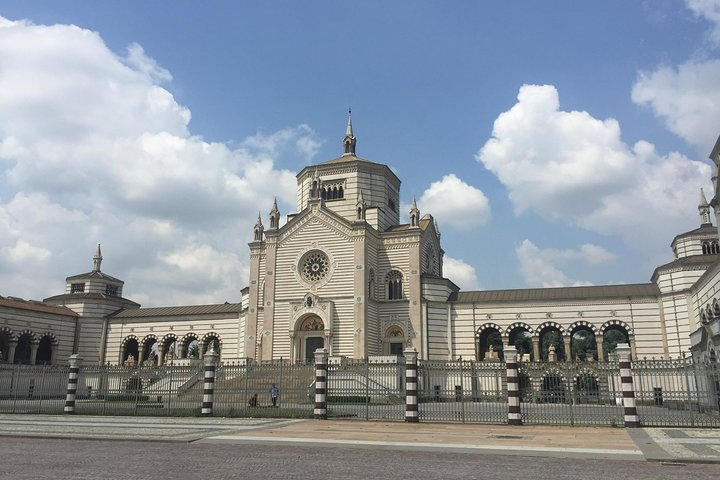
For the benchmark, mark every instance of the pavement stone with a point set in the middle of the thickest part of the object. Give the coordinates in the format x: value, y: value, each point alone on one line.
x: 669, y: 445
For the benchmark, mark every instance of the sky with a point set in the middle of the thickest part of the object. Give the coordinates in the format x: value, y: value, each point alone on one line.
x: 556, y: 143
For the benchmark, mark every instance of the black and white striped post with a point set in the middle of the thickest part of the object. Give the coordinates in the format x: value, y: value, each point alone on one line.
x: 513, y: 385
x: 630, y: 415
x: 411, y: 392
x: 75, y: 360
x: 321, y: 359
x: 210, y: 360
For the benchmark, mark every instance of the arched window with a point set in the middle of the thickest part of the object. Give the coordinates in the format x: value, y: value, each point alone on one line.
x: 340, y: 192
x: 394, y: 285
x: 371, y: 284
x: 714, y: 247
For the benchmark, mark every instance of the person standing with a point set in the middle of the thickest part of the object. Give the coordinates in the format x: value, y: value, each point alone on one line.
x: 274, y: 393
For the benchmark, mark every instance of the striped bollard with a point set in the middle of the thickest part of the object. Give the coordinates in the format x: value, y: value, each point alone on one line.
x: 411, y: 392
x: 513, y: 385
x: 321, y: 357
x: 630, y: 415
x: 210, y: 359
x: 75, y: 360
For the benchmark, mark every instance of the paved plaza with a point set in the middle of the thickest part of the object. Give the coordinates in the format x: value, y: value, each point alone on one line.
x: 670, y: 445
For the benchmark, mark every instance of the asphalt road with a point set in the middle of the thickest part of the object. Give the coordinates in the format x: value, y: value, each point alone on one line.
x: 34, y: 458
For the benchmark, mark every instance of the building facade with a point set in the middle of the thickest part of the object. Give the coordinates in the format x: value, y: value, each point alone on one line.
x: 342, y: 273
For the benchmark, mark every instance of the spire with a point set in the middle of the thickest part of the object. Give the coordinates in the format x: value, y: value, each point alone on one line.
x: 349, y: 139
x: 360, y: 205
x: 414, y: 215
x: 97, y: 260
x: 274, y: 216
x: 704, y: 209
x: 258, y: 229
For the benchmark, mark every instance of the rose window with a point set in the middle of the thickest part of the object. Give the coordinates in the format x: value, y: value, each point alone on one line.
x: 315, y: 266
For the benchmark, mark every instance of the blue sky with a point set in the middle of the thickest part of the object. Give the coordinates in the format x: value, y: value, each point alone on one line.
x: 557, y: 143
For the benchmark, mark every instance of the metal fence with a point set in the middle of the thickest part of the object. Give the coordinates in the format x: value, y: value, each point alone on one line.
x: 677, y: 393
x: 667, y: 392
x: 462, y: 391
x: 244, y: 389
x: 33, y: 389
x: 366, y: 390
x: 156, y: 391
x: 571, y: 393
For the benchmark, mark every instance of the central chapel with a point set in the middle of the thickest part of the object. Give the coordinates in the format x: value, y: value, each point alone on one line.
x: 343, y: 273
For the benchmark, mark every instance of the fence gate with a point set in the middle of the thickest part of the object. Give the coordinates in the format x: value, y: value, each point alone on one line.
x: 462, y: 391
x: 367, y: 390
x: 570, y: 393
x: 677, y: 393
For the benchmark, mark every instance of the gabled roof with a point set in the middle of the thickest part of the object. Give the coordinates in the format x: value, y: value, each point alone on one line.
x: 98, y: 275
x: 35, y: 306
x: 560, y: 293
x: 182, y: 310
x: 348, y: 158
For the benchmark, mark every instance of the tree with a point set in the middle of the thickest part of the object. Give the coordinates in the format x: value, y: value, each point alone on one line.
x: 584, y: 345
x: 611, y: 338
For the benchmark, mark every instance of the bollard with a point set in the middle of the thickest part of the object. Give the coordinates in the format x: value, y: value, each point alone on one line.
x: 630, y: 415
x: 411, y: 392
x: 321, y: 357
x: 210, y: 359
x: 75, y: 361
x: 513, y: 385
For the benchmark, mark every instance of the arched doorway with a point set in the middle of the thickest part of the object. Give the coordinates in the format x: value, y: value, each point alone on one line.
x: 490, y: 344
x: 309, y: 336
x: 130, y: 348
x: 394, y: 341
x: 23, y: 350
x: 44, y: 351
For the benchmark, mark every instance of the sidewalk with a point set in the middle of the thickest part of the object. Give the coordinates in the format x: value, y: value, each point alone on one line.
x: 653, y: 444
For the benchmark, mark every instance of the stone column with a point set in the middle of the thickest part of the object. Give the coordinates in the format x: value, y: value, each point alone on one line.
x: 630, y: 415
x: 12, y: 345
x: 34, y: 344
x: 568, y: 349
x: 513, y: 386
x: 321, y: 357
x: 600, y: 351
x: 75, y: 361
x: 209, y: 384
x: 536, y: 348
x: 292, y: 348
x: 160, y: 355
x: 411, y: 393
x: 53, y: 353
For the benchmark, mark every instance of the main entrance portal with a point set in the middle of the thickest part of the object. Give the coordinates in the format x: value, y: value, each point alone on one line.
x: 312, y: 344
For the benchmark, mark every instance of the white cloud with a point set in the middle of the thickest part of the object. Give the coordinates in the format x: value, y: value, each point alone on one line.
x: 573, y: 167
x: 94, y: 149
x: 686, y: 98
x: 453, y: 202
x: 543, y: 268
x: 710, y: 10
x: 461, y: 274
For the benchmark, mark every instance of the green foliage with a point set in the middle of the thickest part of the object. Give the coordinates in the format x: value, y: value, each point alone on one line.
x: 611, y: 339
x: 584, y: 346
x: 523, y: 344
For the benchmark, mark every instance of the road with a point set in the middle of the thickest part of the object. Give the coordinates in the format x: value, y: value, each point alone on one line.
x: 36, y: 458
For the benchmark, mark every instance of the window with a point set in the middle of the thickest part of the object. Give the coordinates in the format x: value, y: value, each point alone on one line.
x: 111, y: 290
x: 77, y: 288
x: 314, y: 266
x: 394, y: 285
x: 391, y: 204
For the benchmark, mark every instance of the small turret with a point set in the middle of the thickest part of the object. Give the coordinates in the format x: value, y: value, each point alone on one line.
x: 360, y: 206
x: 414, y: 215
x: 274, y: 216
x: 259, y: 229
x: 97, y: 259
x: 704, y: 209
x: 349, y: 140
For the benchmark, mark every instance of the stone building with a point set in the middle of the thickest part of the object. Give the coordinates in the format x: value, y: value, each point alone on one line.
x: 344, y: 274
